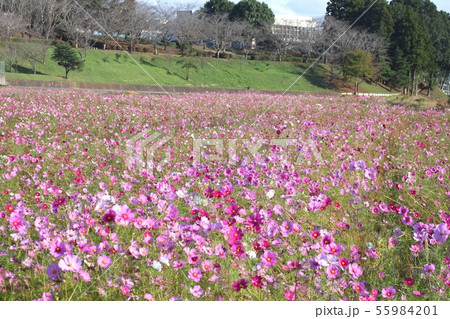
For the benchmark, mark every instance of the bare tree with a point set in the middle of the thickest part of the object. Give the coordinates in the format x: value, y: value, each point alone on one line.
x: 33, y: 51
x: 220, y: 30
x: 348, y: 39
x: 187, y: 29
x: 161, y: 24
x: 135, y: 19
x: 78, y: 26
x: 110, y: 20
x: 308, y: 38
x: 337, y: 39
x: 247, y: 35
x: 278, y: 41
x: 9, y: 51
x: 10, y: 24
x: 43, y: 16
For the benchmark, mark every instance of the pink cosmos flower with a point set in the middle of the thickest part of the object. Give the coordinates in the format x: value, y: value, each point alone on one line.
x: 429, y: 268
x: 15, y: 222
x: 207, y: 265
x: 388, y: 292
x: 333, y: 248
x: 286, y: 228
x: 47, y: 296
x: 195, y: 274
x: 343, y: 262
x: 289, y: 295
x: 333, y: 271
x: 149, y: 297
x: 355, y: 270
x: 360, y: 288
x: 235, y: 234
x: 196, y: 291
x: 192, y: 256
x: 85, y: 276
x: 57, y: 249
x: 393, y: 241
x: 70, y: 263
x: 125, y: 290
x: 104, y: 261
x: 269, y: 259
x: 124, y: 216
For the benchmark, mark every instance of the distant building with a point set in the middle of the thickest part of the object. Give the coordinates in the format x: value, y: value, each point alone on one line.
x: 294, y: 27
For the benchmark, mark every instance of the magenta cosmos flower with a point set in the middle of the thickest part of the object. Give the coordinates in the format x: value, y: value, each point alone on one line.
x: 269, y: 258
x: 70, y: 263
x: 195, y: 274
x: 289, y: 295
x: 333, y: 271
x: 104, y: 261
x: 240, y: 284
x: 388, y: 292
x: 57, y: 249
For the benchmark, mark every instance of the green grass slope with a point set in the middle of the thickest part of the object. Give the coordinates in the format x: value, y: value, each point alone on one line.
x: 105, y: 67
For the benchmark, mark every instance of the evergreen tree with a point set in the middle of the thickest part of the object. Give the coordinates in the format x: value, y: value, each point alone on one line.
x: 218, y: 6
x: 254, y: 12
x: 68, y: 58
x: 374, y: 20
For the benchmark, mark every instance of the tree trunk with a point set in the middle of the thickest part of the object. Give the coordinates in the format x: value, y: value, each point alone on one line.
x: 430, y: 84
x: 356, y: 85
x: 67, y: 73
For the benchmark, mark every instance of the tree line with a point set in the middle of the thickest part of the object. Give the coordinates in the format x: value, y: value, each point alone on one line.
x: 400, y: 43
x: 417, y: 37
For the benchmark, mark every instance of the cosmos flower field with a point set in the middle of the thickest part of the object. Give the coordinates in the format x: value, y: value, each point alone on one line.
x: 353, y: 206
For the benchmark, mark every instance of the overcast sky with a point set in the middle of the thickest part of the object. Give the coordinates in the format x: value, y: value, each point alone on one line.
x: 307, y: 8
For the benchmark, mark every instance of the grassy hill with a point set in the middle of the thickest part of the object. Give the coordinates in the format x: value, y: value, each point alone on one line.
x: 118, y: 67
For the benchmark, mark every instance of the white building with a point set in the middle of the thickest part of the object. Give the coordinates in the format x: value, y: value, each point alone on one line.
x: 294, y: 27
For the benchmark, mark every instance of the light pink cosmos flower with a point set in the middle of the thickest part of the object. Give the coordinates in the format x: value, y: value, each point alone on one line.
x: 196, y: 291
x: 70, y: 263
x: 124, y: 216
x: 85, y: 276
x: 104, y: 261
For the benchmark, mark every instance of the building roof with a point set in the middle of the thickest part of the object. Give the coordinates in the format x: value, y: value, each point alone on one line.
x: 294, y: 21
